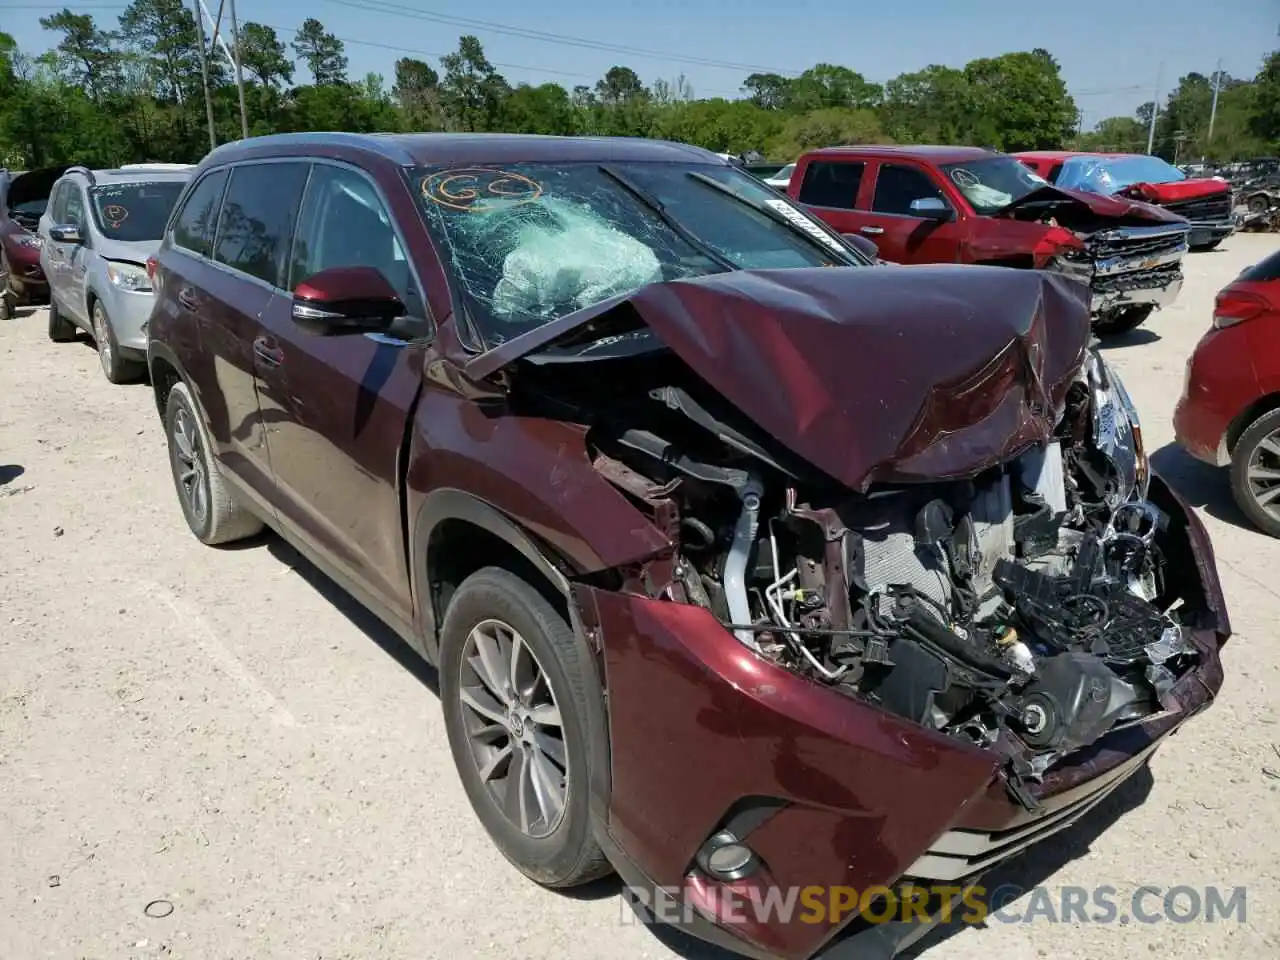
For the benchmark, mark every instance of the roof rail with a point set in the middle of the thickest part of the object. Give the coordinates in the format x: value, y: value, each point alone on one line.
x: 78, y: 168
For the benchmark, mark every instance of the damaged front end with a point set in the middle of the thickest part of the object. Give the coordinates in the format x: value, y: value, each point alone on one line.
x: 960, y: 579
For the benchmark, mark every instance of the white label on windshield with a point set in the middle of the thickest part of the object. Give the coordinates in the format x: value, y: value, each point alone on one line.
x: 807, y: 225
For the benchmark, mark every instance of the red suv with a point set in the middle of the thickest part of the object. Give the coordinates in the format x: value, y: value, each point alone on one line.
x: 746, y: 565
x: 1229, y: 413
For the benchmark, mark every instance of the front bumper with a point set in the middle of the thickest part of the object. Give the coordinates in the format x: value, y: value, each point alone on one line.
x: 1204, y: 232
x: 128, y: 312
x: 26, y: 277
x: 1155, y: 288
x: 828, y: 791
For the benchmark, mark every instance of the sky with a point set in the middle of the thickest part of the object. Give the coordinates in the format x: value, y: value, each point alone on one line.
x: 1112, y: 54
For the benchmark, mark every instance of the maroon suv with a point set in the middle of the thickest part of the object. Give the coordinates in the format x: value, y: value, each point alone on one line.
x: 745, y: 564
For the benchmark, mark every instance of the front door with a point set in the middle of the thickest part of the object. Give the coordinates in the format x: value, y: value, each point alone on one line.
x: 903, y: 235
x: 336, y: 408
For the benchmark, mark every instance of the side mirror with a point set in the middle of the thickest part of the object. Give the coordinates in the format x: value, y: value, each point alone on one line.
x: 346, y: 300
x: 864, y: 246
x: 930, y: 208
x: 65, y: 233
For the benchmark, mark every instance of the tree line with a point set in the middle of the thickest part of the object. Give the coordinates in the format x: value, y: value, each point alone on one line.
x: 134, y: 93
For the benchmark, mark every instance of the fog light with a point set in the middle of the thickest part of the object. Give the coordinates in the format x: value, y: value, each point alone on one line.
x: 724, y: 858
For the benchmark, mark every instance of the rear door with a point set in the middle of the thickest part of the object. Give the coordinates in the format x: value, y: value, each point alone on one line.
x: 903, y: 235
x: 830, y: 189
x: 336, y: 408
x: 248, y: 269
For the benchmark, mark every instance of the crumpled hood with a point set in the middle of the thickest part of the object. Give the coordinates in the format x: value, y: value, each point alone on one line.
x: 1107, y: 206
x: 1175, y: 191
x: 920, y: 373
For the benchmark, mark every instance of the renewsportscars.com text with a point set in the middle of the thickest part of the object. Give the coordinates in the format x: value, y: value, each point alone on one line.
x: 946, y: 904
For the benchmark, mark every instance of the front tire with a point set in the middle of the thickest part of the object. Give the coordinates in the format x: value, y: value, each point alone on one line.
x: 1121, y: 320
x: 114, y: 367
x: 511, y: 684
x: 61, y: 330
x: 1255, y: 473
x: 210, y: 508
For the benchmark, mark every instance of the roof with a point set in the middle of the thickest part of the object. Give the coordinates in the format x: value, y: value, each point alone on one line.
x: 935, y: 153
x: 133, y: 172
x: 414, y: 149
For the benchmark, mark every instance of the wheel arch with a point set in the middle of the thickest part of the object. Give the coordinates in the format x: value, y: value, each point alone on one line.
x: 451, y: 518
x: 1260, y: 407
x: 165, y: 370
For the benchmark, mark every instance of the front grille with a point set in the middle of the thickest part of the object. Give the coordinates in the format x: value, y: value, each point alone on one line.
x: 1143, y: 242
x: 964, y: 853
x: 1215, y: 207
x: 1138, y: 279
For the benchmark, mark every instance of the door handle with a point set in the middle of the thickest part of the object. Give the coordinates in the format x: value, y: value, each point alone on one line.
x: 271, y: 356
x: 873, y: 231
x: 187, y: 297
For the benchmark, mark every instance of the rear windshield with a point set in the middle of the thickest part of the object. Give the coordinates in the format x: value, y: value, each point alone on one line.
x: 135, y: 211
x: 531, y: 242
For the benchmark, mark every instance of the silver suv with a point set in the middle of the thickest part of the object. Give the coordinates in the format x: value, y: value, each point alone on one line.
x: 98, y: 231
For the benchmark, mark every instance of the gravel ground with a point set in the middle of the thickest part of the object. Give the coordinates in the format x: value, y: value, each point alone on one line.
x: 225, y: 731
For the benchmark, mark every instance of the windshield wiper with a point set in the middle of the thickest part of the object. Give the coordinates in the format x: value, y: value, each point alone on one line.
x: 654, y: 204
x: 776, y: 217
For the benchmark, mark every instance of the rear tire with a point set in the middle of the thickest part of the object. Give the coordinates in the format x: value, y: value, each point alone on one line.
x: 498, y: 609
x: 1258, y: 450
x: 208, y: 504
x: 1121, y: 320
x: 61, y: 330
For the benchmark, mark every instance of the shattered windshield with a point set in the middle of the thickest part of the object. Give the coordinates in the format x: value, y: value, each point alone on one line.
x: 135, y: 211
x: 531, y: 242
x: 1110, y: 174
x: 992, y: 183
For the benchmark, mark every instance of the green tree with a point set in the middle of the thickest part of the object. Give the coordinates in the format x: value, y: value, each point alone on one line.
x: 826, y: 85
x: 1019, y: 102
x: 163, y: 34
x: 472, y: 89
x: 322, y: 52
x: 263, y: 55
x: 769, y: 91
x: 1264, y: 122
x: 85, y: 55
x: 417, y: 91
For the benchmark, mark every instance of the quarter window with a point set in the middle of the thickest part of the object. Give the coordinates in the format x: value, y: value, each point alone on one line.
x: 831, y: 184
x: 344, y: 223
x: 897, y: 187
x: 257, y: 218
x: 58, y: 208
x: 194, y: 227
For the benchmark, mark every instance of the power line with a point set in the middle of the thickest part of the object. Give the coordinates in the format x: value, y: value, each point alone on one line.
x: 396, y: 9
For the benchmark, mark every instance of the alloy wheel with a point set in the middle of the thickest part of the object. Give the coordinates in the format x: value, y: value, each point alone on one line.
x: 1263, y: 474
x: 513, y: 728
x: 101, y: 336
x: 193, y: 484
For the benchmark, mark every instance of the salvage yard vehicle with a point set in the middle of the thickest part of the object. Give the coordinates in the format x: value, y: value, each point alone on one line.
x: 1207, y: 202
x: 95, y: 237
x: 1229, y: 412
x: 744, y: 566
x: 968, y: 205
x: 23, y: 198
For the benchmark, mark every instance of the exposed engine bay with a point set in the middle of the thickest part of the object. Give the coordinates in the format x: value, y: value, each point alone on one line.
x: 1024, y: 610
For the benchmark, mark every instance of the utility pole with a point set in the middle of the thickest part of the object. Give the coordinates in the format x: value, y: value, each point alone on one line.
x: 240, y: 76
x: 1155, y: 109
x: 204, y: 78
x: 232, y: 58
x: 1217, y: 86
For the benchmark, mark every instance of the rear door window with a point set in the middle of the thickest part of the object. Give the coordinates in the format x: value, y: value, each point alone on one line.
x: 194, y: 228
x: 256, y: 225
x: 831, y: 184
x: 898, y: 186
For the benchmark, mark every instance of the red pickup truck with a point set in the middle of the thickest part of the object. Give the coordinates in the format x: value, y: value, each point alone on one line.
x: 968, y: 205
x: 1205, y: 201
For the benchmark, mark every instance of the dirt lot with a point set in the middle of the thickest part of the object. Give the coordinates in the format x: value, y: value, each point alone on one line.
x: 223, y: 730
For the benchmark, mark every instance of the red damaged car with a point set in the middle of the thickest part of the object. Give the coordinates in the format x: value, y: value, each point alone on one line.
x: 745, y: 565
x: 1206, y: 201
x: 23, y: 198
x: 1229, y: 412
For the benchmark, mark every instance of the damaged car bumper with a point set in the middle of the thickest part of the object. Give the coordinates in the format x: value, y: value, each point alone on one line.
x: 1204, y: 232
x: 709, y: 740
